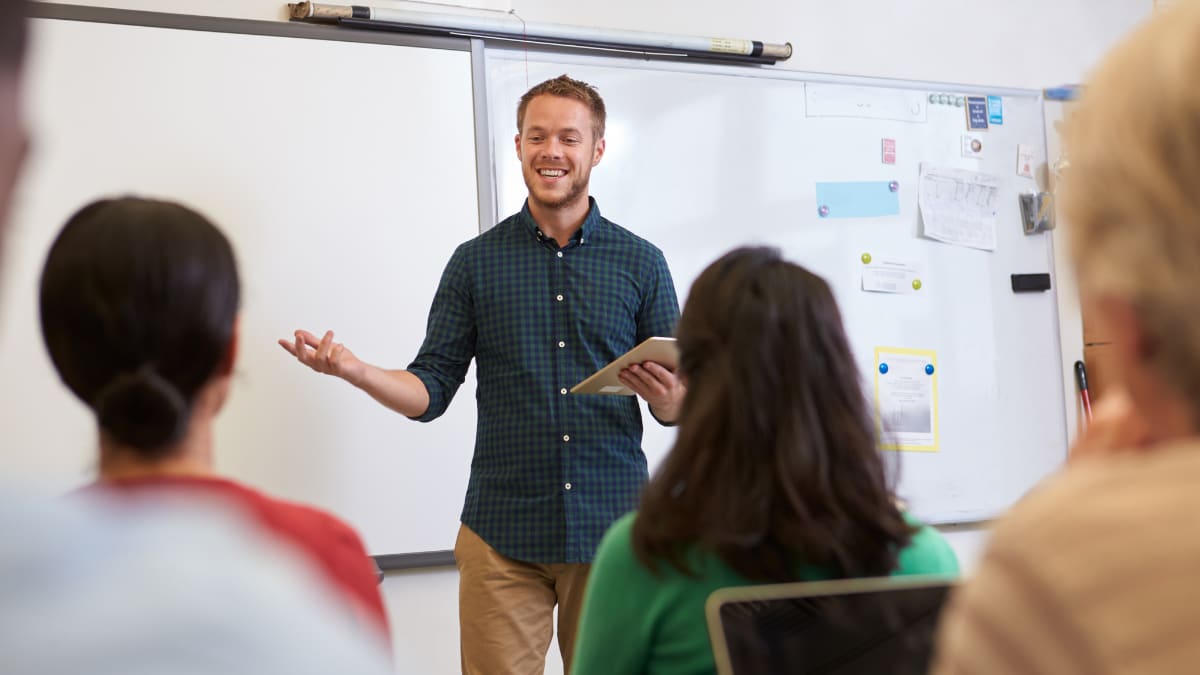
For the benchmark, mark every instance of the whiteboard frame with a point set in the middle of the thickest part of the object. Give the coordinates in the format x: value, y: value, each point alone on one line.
x: 483, y: 49
x: 1065, y: 324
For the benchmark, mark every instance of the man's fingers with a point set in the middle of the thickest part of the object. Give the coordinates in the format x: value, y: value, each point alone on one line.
x: 307, y: 338
x: 658, y: 370
x: 646, y: 384
x: 288, y: 346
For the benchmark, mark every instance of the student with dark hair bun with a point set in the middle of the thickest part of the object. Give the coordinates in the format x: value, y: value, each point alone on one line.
x: 139, y: 305
x: 775, y: 475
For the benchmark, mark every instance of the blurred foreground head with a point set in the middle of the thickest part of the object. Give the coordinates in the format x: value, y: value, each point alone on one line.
x: 1131, y: 200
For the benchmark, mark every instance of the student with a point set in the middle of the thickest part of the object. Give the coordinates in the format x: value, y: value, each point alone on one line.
x: 1097, y: 571
x: 775, y: 475
x: 156, y: 590
x: 163, y: 588
x: 540, y: 302
x: 139, y: 302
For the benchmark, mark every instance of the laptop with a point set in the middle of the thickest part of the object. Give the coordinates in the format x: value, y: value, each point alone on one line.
x: 847, y: 627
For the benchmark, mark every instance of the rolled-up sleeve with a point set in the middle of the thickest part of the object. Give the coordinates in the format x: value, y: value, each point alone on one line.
x: 450, y: 337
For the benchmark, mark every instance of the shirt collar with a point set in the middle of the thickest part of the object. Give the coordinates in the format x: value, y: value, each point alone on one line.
x: 582, y: 236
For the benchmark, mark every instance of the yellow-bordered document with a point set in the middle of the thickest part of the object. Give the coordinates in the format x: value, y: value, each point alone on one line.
x: 906, y: 402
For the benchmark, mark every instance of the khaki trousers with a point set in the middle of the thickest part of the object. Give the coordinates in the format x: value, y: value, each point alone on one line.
x: 506, y: 609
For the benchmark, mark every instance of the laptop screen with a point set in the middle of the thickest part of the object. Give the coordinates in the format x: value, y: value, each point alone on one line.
x: 848, y: 627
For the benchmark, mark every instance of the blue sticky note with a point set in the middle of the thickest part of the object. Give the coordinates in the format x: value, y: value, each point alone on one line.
x: 1066, y: 92
x: 977, y: 113
x: 995, y: 110
x: 867, y: 199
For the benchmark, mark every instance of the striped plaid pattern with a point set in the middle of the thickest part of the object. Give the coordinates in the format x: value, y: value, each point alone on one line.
x: 551, y: 470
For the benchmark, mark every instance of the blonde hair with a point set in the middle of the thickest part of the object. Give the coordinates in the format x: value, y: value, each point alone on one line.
x: 1131, y: 194
x: 566, y: 87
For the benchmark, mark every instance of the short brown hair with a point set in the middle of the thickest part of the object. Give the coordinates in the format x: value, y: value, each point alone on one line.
x: 1131, y: 201
x: 566, y: 87
x: 13, y: 15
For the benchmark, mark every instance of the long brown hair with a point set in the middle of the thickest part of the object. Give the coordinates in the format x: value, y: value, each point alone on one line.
x: 776, y: 463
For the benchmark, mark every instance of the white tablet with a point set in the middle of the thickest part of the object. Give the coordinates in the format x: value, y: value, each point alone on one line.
x: 661, y: 350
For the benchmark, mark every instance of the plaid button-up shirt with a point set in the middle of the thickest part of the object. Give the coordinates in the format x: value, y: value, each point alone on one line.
x: 551, y: 470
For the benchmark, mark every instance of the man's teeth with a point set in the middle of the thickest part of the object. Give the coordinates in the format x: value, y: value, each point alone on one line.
x: 552, y: 173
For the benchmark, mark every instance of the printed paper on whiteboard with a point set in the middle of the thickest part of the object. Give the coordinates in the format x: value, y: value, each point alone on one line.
x: 884, y: 275
x: 958, y: 206
x: 1025, y: 160
x: 906, y: 398
x: 845, y: 100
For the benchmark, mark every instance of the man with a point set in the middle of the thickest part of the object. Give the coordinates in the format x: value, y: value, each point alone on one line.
x: 541, y: 301
x: 1098, y: 570
x: 89, y: 586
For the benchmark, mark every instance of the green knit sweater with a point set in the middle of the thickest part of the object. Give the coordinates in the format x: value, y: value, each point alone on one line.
x: 635, y: 622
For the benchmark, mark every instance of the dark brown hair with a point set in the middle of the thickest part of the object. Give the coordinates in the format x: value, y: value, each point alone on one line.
x: 138, y: 303
x: 13, y: 31
x: 776, y: 463
x: 567, y: 88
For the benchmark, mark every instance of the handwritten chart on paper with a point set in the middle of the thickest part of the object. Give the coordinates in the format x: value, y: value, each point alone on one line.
x: 958, y: 206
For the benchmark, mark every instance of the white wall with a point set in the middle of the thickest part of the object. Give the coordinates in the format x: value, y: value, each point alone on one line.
x: 1020, y: 43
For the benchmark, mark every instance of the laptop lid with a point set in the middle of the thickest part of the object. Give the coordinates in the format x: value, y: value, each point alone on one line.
x: 847, y: 627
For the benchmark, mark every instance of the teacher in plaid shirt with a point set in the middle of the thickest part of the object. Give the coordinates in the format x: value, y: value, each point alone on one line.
x: 540, y: 301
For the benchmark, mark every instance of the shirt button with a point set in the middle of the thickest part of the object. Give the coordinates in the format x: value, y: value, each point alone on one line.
x: 563, y: 391
x: 567, y: 486
x: 558, y: 297
x: 561, y: 344
x: 560, y: 254
x: 566, y: 438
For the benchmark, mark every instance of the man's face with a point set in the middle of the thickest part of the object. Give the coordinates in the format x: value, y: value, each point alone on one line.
x: 557, y: 150
x: 13, y: 143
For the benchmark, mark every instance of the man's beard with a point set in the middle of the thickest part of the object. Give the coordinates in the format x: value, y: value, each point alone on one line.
x: 577, y: 189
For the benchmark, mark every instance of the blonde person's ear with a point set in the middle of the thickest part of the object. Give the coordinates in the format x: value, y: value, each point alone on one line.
x: 1116, y: 428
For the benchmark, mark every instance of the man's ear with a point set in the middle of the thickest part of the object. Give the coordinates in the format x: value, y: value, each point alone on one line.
x: 517, y: 141
x: 598, y: 153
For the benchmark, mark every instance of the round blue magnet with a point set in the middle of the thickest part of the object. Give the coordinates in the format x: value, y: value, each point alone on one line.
x: 894, y: 186
x: 883, y: 368
x: 933, y: 98
x: 824, y: 210
x: 928, y: 368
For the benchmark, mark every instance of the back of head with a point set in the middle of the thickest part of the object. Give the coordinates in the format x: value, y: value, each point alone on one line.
x: 138, y: 304
x: 776, y: 453
x: 1131, y: 195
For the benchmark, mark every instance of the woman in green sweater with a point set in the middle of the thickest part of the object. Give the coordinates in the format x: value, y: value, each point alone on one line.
x: 775, y: 475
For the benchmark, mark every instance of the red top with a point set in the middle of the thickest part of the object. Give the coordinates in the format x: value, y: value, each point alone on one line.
x: 327, y: 541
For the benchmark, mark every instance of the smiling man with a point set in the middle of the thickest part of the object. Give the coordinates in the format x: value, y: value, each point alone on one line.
x: 541, y: 301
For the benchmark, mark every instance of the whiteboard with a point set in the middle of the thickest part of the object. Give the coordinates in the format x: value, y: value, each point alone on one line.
x: 343, y: 173
x: 702, y: 159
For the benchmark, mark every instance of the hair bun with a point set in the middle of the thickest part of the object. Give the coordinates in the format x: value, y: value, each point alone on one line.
x: 141, y: 409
